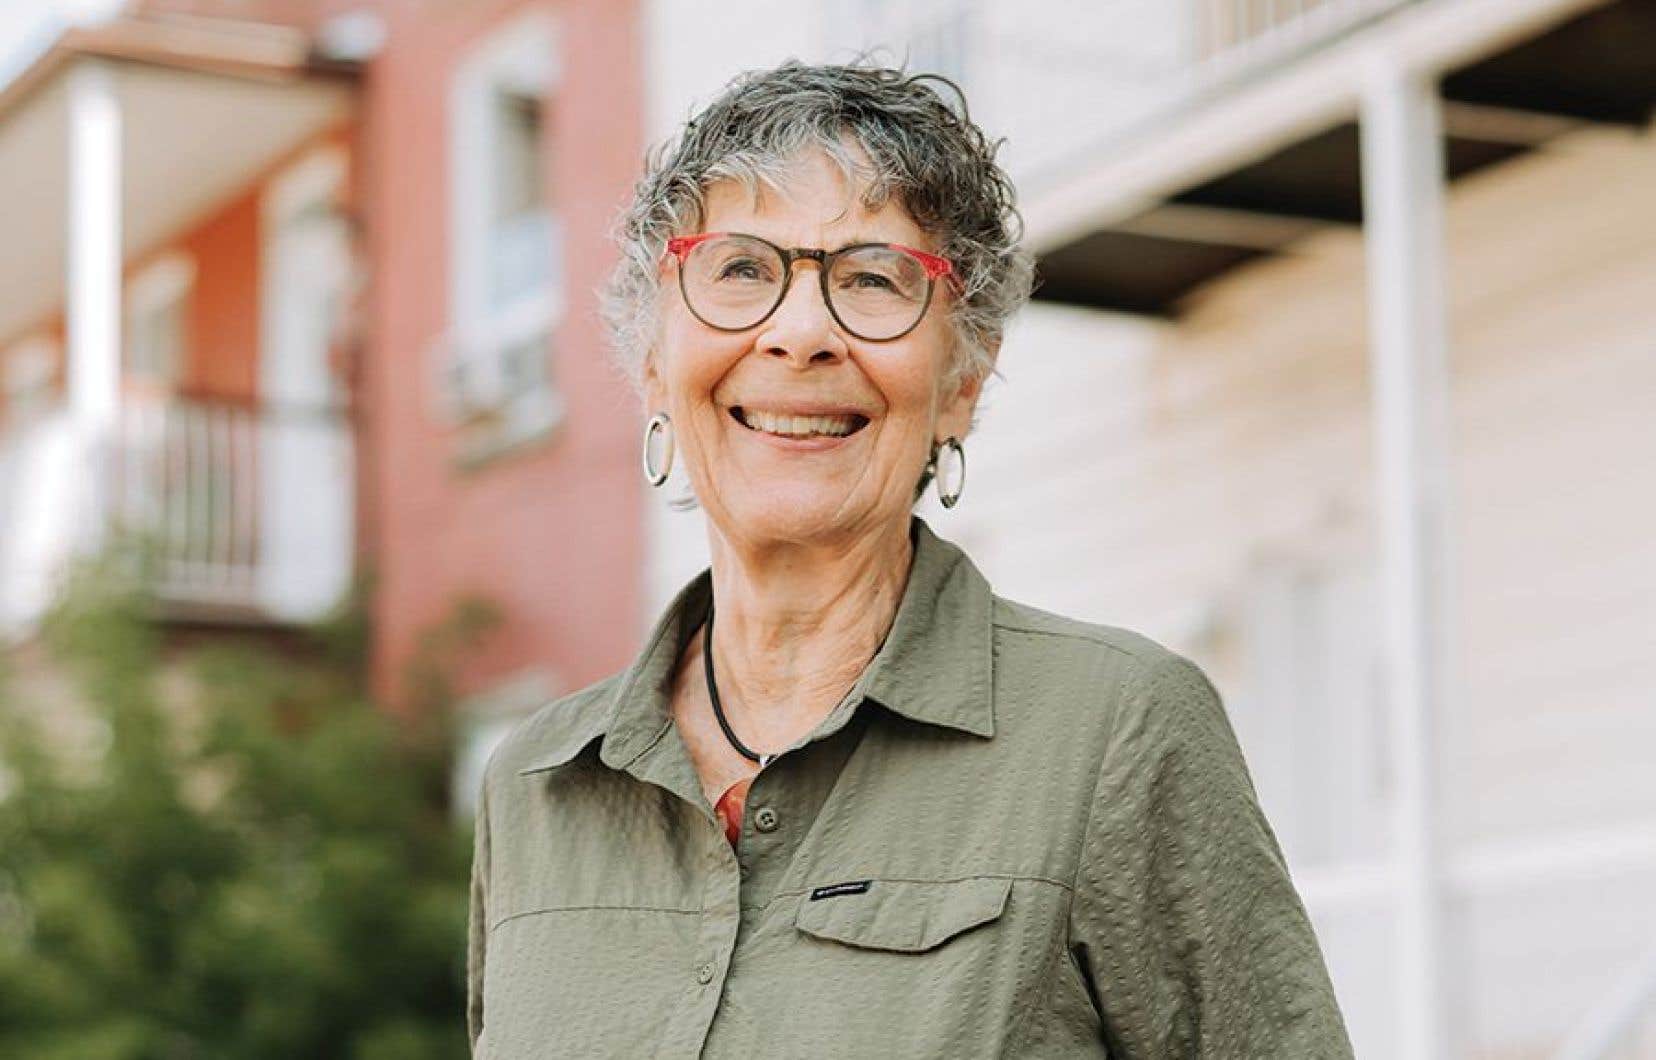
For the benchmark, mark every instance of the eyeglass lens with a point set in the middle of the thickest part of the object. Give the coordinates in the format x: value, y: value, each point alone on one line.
x: 734, y: 282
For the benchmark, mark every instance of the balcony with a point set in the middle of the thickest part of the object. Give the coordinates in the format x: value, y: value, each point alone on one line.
x: 247, y: 507
x: 244, y: 511
x: 1157, y: 145
x: 117, y: 142
x: 1124, y: 66
x: 1063, y: 77
x: 1221, y: 132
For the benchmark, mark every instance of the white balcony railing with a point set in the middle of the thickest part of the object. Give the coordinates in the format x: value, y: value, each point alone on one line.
x: 1062, y: 78
x: 1227, y: 31
x: 245, y: 510
x: 186, y: 477
x: 246, y: 506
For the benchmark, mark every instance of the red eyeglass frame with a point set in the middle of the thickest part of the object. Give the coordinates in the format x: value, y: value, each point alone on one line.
x: 679, y: 247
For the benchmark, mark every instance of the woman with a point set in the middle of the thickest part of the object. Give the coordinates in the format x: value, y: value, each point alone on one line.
x: 847, y: 802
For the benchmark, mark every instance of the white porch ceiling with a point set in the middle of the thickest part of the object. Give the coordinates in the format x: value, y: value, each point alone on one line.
x: 190, y: 141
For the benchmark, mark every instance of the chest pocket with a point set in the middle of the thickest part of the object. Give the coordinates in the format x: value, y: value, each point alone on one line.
x: 907, y: 916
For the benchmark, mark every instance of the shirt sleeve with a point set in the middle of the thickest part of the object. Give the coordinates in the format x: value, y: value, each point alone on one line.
x: 1185, y: 922
x: 478, y: 924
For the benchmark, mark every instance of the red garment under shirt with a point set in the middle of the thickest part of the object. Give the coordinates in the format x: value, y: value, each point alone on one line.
x: 729, y: 808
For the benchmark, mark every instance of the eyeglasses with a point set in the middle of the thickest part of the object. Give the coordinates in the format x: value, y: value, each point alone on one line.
x: 875, y: 291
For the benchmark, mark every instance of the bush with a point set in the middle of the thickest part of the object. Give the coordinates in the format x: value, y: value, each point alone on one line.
x: 271, y: 870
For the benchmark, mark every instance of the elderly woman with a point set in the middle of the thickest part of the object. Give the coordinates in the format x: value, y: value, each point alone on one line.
x: 847, y: 802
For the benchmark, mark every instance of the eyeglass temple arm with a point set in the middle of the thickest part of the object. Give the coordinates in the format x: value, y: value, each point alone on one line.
x: 934, y: 265
x: 679, y: 246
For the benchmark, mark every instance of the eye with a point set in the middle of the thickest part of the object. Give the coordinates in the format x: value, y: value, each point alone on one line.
x: 744, y: 269
x: 872, y: 280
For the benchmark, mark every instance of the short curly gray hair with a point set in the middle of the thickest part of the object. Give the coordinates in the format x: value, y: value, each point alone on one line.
x: 939, y: 164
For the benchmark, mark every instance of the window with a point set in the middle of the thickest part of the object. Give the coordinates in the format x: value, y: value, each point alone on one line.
x: 521, y: 227
x: 295, y: 549
x: 494, y: 375
x: 156, y: 342
x: 156, y: 328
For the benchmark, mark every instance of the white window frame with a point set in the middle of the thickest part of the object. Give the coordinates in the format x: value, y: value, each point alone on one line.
x: 473, y: 377
x: 316, y: 182
x: 158, y: 287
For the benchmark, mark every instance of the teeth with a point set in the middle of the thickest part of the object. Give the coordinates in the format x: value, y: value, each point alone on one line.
x: 798, y: 426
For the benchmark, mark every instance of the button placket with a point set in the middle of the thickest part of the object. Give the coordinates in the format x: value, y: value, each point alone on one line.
x: 715, y: 946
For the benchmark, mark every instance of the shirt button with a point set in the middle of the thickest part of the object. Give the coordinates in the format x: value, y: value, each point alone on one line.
x: 765, y: 819
x: 745, y: 871
x: 704, y: 973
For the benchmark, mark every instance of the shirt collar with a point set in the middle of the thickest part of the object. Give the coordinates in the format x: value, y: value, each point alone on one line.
x: 936, y: 665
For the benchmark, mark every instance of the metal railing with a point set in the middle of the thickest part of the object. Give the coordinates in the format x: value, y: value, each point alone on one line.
x: 188, y: 478
x: 1061, y: 77
x: 1229, y: 29
x: 184, y: 477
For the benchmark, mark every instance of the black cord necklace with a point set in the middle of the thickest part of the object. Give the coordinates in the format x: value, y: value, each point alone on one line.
x: 713, y: 694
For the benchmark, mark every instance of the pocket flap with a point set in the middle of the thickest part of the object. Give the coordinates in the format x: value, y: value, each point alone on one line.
x: 905, y: 915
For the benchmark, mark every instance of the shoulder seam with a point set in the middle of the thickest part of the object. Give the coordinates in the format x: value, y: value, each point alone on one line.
x: 1070, y: 634
x: 1069, y: 628
x: 1148, y: 658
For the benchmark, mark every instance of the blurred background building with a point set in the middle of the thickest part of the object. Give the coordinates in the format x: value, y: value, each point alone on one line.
x: 315, y: 278
x: 1341, y: 374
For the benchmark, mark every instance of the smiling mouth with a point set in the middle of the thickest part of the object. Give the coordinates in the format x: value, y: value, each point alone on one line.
x: 785, y: 426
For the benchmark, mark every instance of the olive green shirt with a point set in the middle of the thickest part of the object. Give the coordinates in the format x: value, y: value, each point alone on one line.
x: 1017, y: 835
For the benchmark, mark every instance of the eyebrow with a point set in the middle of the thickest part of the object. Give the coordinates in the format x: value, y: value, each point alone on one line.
x: 854, y: 239
x: 860, y: 238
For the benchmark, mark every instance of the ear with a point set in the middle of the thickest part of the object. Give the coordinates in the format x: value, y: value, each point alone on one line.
x: 655, y: 388
x: 955, y: 416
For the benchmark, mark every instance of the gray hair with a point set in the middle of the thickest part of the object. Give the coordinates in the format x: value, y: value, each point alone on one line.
x: 936, y: 161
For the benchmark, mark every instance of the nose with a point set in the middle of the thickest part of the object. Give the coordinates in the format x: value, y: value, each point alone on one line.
x: 802, y: 330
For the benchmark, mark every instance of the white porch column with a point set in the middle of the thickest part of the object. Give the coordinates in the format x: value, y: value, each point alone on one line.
x: 94, y: 281
x: 1403, y: 179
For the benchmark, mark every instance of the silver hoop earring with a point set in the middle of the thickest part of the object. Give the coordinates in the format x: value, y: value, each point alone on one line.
x: 658, y: 423
x: 950, y: 496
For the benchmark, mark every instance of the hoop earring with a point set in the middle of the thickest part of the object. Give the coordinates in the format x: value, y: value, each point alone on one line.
x: 950, y: 497
x: 658, y: 423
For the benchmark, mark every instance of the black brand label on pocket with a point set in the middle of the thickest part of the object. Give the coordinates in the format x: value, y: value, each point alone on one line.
x: 834, y: 890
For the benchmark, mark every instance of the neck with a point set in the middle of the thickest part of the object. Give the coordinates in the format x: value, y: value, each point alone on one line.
x: 797, y: 623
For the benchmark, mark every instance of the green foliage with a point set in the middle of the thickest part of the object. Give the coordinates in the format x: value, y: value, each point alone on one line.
x: 269, y: 871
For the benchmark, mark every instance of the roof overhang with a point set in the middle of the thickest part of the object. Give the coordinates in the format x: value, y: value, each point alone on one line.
x: 1139, y: 224
x: 206, y: 106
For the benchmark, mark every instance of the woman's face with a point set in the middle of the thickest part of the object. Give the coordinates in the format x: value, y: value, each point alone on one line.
x: 724, y: 389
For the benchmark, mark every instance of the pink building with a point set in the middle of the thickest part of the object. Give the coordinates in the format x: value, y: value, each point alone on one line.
x: 315, y: 280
